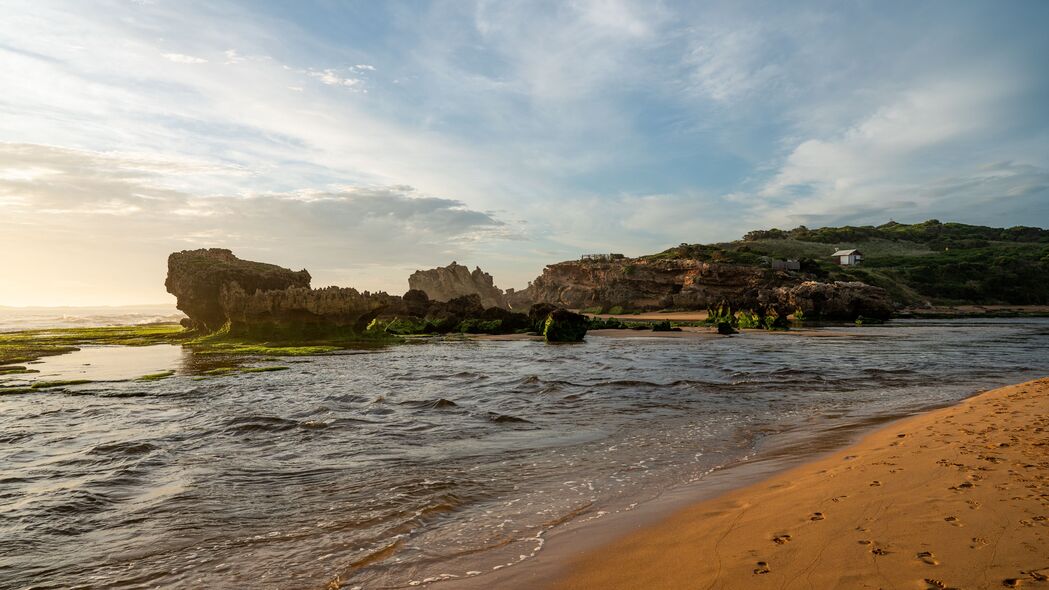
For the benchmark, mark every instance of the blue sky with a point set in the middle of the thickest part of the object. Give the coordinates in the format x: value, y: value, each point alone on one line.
x: 363, y: 140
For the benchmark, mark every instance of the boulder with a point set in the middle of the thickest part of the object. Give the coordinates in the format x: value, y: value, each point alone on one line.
x: 538, y: 313
x: 564, y: 326
x: 838, y: 301
x: 726, y: 329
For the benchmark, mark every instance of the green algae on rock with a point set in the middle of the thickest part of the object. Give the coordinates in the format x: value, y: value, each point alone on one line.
x: 564, y: 326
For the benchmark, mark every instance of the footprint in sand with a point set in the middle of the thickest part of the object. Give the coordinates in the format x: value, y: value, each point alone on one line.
x: 864, y: 542
x: 1037, y: 576
x: 763, y: 568
x: 875, y: 484
x: 817, y: 516
x: 978, y: 543
x: 935, y: 584
x: 1012, y: 582
x: 953, y: 520
x: 879, y: 551
x: 781, y: 539
x: 928, y: 558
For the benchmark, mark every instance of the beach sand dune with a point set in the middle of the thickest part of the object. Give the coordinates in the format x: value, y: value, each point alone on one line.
x: 955, y: 498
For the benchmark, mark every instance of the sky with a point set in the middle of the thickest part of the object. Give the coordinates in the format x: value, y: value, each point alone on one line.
x: 365, y: 140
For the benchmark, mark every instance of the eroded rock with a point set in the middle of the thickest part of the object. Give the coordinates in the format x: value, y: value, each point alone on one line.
x: 455, y: 280
x: 196, y: 278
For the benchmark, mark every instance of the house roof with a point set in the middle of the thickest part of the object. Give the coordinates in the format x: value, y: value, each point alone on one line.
x: 845, y: 252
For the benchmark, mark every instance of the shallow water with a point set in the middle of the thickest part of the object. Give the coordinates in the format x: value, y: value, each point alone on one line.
x: 394, y: 466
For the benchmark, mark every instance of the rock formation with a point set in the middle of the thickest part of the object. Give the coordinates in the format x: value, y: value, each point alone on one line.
x: 684, y: 283
x: 562, y: 325
x: 640, y: 283
x: 263, y: 301
x: 196, y: 278
x: 838, y: 300
x: 301, y: 312
x: 455, y: 280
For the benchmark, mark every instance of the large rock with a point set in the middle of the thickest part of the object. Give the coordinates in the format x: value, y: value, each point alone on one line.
x: 455, y: 280
x: 683, y: 283
x: 644, y: 283
x: 300, y: 312
x: 565, y: 326
x: 196, y: 279
x: 838, y: 300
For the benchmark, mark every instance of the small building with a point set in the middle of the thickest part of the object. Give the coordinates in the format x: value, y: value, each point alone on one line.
x: 601, y: 257
x: 848, y: 257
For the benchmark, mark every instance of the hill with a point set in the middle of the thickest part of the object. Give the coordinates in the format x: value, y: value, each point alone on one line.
x: 941, y: 263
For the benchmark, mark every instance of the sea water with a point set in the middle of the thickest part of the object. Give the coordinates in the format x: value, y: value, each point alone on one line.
x: 400, y: 466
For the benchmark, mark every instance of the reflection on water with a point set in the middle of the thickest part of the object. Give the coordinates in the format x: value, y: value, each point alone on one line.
x: 419, y: 462
x: 108, y: 363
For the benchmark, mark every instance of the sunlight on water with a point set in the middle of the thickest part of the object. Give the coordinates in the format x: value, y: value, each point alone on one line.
x: 423, y: 461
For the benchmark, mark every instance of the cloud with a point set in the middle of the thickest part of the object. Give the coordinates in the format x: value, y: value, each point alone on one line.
x: 331, y: 78
x: 184, y: 59
x: 76, y: 196
x: 917, y: 155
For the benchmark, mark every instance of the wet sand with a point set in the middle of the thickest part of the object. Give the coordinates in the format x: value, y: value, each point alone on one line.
x: 955, y: 498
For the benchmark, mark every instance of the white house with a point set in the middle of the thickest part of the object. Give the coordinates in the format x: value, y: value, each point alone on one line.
x: 848, y: 257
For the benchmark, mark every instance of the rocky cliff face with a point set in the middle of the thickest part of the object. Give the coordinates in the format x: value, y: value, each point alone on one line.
x: 196, y: 278
x: 301, y: 311
x: 653, y: 283
x: 455, y: 280
x: 838, y: 300
x: 640, y: 283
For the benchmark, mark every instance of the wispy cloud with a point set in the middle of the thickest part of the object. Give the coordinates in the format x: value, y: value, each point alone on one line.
x: 184, y: 59
x: 596, y: 124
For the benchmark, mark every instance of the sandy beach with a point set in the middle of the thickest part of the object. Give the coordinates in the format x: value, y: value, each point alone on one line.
x: 954, y: 498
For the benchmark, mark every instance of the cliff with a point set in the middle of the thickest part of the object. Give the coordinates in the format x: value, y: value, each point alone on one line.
x: 455, y: 280
x: 686, y: 283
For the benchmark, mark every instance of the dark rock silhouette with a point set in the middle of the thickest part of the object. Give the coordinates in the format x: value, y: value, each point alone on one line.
x: 565, y: 326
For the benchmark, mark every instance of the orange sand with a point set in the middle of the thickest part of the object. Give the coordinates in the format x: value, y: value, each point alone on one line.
x: 955, y: 498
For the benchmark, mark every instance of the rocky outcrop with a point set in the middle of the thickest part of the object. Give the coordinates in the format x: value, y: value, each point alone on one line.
x: 838, y: 300
x: 196, y: 279
x: 640, y: 283
x: 455, y: 280
x: 564, y: 326
x: 684, y: 283
x: 301, y: 311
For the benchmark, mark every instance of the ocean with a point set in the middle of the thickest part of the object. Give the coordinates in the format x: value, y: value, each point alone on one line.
x: 446, y: 460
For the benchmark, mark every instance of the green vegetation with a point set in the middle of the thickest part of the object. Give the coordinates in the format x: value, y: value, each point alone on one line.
x: 221, y: 342
x: 947, y: 263
x: 156, y: 376
x: 16, y: 370
x: 55, y: 384
x: 221, y: 371
x: 29, y: 345
x: 565, y: 326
